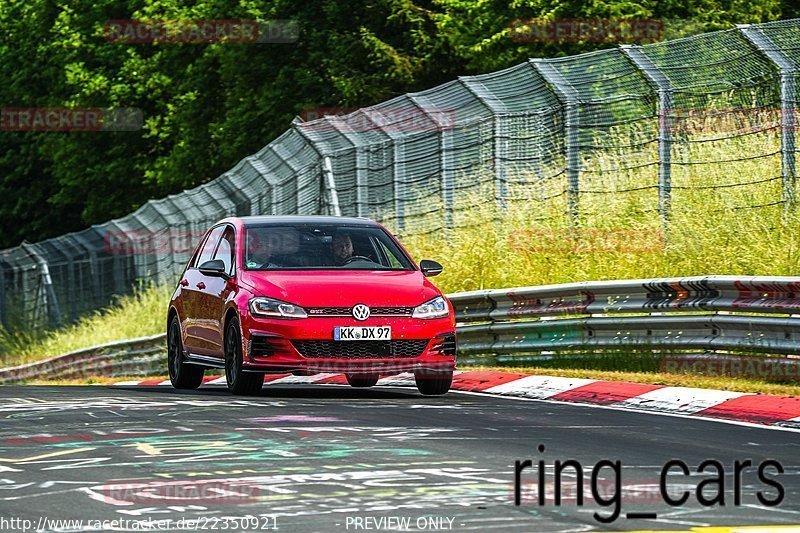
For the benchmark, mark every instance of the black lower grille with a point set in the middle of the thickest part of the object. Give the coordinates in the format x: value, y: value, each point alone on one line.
x: 360, y: 349
x: 449, y: 345
x: 260, y: 346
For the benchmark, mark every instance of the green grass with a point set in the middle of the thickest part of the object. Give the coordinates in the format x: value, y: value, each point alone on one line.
x: 139, y: 314
x: 530, y: 241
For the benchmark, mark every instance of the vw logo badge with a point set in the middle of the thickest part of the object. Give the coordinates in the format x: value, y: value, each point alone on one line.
x: 361, y: 312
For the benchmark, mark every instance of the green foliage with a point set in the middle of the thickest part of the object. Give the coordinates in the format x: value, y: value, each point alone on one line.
x: 479, y: 32
x: 206, y: 106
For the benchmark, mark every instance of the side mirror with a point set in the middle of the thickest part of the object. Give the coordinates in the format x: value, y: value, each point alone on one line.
x: 215, y: 267
x: 430, y: 268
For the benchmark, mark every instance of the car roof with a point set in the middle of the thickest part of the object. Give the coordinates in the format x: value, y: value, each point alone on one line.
x: 305, y: 219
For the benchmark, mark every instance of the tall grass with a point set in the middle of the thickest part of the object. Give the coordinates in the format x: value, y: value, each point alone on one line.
x: 719, y: 224
x: 139, y: 314
x: 512, y: 253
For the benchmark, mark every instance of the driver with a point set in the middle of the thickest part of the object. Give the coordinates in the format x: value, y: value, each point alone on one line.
x: 342, y: 248
x: 259, y: 251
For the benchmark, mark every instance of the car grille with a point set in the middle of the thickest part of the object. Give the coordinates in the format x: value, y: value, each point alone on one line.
x: 260, y: 346
x: 360, y: 349
x: 448, y: 346
x: 348, y: 311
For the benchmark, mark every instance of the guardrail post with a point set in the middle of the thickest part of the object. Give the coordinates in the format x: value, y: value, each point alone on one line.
x: 568, y: 96
x: 664, y: 89
x: 787, y: 70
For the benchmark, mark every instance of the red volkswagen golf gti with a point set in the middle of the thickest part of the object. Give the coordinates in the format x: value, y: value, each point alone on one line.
x: 305, y: 295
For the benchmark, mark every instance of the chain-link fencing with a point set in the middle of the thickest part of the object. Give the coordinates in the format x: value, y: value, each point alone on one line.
x: 640, y: 136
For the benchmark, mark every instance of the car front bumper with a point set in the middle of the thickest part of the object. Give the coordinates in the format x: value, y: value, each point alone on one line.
x: 278, y: 346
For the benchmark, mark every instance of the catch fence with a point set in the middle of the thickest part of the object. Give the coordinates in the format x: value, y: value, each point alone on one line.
x: 648, y: 135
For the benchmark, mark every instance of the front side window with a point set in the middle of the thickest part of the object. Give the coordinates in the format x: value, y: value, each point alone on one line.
x: 225, y: 250
x: 208, y: 247
x: 320, y: 247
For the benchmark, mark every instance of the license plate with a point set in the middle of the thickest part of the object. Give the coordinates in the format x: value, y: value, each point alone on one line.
x: 362, y: 333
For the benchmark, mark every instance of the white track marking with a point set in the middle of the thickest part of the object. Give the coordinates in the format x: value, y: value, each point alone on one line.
x: 539, y: 387
x: 680, y: 399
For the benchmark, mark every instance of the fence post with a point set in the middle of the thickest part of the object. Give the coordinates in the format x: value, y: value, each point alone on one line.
x: 362, y: 185
x: 568, y: 96
x: 259, y: 166
x: 49, y: 300
x: 362, y: 165
x: 448, y: 178
x: 333, y: 196
x: 398, y: 169
x: 498, y: 109
x: 324, y: 177
x: 71, y: 296
x: 664, y: 90
x: 787, y: 70
x: 445, y: 133
x: 3, y: 310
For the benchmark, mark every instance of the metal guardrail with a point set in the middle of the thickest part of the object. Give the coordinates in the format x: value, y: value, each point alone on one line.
x: 144, y: 356
x: 694, y: 313
x: 734, y: 314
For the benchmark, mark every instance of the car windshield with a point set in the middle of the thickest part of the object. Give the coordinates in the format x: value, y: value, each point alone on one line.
x: 321, y: 247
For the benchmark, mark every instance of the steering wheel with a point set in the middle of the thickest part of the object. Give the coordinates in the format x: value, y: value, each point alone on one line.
x: 356, y: 258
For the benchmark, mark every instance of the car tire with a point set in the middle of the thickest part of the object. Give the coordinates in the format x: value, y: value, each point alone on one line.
x: 433, y: 383
x: 362, y: 380
x: 182, y: 375
x: 239, y: 382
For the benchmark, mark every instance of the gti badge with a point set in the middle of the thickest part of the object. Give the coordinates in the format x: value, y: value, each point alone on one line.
x: 360, y: 312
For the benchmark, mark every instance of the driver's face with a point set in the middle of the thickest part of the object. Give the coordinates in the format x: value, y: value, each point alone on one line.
x: 259, y: 248
x: 342, y: 247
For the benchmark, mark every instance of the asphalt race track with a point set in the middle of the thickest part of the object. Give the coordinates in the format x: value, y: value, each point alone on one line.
x: 330, y: 458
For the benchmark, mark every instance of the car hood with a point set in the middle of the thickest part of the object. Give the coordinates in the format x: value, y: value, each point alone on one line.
x: 342, y: 288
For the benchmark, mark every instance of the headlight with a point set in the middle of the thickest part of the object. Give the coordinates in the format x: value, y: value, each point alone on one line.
x: 436, y: 308
x: 276, y: 308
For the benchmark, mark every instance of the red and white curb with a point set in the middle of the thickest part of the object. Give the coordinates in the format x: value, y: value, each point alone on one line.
x: 762, y: 409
